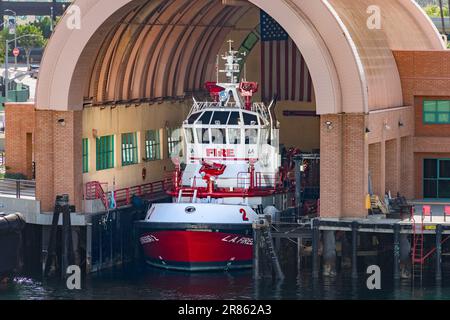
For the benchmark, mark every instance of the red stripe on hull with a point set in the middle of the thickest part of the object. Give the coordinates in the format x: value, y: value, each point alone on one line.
x: 194, y: 247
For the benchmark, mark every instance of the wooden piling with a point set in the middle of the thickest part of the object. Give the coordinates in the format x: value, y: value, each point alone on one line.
x: 256, y: 250
x: 67, y: 258
x: 315, y: 248
x: 329, y: 253
x: 396, y: 228
x: 355, y: 226
x: 439, y: 230
x: 299, y: 255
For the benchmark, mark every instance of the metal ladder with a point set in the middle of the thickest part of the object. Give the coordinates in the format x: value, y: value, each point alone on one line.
x: 417, y: 256
x: 267, y: 235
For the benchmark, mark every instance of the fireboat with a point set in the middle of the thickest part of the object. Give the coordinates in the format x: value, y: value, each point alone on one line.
x: 231, y: 176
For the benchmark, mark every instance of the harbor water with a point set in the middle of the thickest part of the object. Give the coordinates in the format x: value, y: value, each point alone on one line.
x: 145, y: 283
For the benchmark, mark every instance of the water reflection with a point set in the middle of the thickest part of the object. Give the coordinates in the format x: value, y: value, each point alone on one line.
x: 137, y: 283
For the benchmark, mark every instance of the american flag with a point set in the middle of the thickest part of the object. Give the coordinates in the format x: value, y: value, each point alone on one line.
x: 283, y: 69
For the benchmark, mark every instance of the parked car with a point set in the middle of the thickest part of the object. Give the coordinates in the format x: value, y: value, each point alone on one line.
x: 34, y: 70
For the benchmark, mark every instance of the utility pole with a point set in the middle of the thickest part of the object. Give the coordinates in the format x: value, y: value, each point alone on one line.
x: 6, y: 70
x: 15, y: 34
x: 442, y: 17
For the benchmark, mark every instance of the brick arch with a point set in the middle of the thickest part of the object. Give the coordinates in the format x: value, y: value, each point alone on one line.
x: 332, y: 38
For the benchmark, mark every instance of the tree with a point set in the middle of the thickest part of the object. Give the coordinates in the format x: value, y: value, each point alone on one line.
x: 435, y: 12
x: 45, y: 25
x: 29, y: 37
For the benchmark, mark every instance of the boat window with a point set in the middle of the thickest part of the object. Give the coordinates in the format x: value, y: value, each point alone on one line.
x: 203, y: 135
x: 234, y: 118
x: 189, y: 135
x: 205, y: 118
x: 251, y: 136
x: 220, y: 118
x: 250, y: 119
x: 193, y: 117
x: 218, y: 136
x: 234, y: 136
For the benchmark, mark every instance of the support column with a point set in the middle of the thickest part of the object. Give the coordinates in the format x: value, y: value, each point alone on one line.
x: 68, y: 156
x: 405, y: 258
x: 439, y: 230
x: 58, y: 157
x: 355, y: 226
x: 355, y: 166
x: 407, y: 185
x: 331, y: 166
x: 375, y: 168
x: 315, y: 249
x: 396, y: 251
x: 44, y: 160
x: 329, y: 253
x: 392, y: 170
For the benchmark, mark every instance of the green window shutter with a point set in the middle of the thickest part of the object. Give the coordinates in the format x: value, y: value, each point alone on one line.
x: 105, y: 153
x: 85, y: 155
x: 129, y: 149
x: 152, y: 145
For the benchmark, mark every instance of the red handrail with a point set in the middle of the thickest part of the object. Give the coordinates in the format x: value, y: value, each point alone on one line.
x: 123, y: 196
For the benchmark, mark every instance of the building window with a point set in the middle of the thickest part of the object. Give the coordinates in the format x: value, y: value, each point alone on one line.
x: 129, y: 149
x: 85, y: 155
x: 436, y: 178
x: 105, y: 153
x: 152, y: 145
x: 173, y: 139
x: 436, y: 112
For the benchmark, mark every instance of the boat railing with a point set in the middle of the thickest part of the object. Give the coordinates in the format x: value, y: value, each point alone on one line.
x: 258, y: 107
x: 261, y: 180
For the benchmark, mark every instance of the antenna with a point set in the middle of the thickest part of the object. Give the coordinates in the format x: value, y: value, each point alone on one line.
x: 232, y: 66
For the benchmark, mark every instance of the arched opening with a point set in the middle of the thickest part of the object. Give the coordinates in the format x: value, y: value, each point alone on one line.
x: 130, y: 70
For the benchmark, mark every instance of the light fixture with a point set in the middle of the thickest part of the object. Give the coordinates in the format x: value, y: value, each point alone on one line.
x: 329, y: 125
x: 367, y: 130
x: 386, y: 126
x: 400, y: 123
x: 62, y: 122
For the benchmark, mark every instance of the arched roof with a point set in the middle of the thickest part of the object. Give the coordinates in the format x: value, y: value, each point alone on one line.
x: 138, y: 50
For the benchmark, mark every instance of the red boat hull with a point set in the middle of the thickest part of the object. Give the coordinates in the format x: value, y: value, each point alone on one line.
x: 193, y: 250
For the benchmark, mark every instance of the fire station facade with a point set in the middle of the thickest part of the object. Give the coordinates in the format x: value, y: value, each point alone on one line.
x: 111, y: 92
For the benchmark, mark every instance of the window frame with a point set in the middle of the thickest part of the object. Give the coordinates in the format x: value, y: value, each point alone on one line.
x: 105, y: 156
x: 436, y: 112
x: 155, y: 144
x: 172, y: 143
x: 85, y: 155
x: 437, y: 179
x: 130, y: 149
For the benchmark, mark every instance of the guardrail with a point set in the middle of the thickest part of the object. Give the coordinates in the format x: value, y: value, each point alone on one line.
x: 19, y: 189
x: 123, y: 197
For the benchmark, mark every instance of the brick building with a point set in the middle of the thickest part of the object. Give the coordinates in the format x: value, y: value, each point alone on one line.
x: 381, y: 96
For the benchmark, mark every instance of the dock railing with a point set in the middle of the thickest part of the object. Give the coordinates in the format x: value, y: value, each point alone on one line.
x: 123, y: 196
x: 20, y: 189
